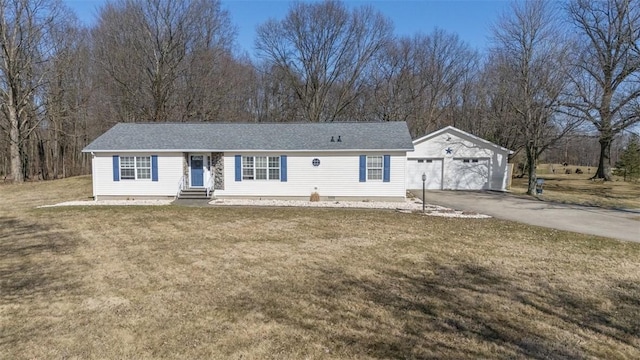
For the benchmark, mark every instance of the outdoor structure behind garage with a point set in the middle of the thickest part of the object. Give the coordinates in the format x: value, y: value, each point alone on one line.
x: 453, y: 159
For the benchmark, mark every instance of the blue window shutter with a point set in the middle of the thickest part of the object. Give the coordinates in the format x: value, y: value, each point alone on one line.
x: 238, y: 167
x: 283, y: 168
x: 386, y: 170
x: 154, y: 167
x: 363, y: 168
x: 116, y: 168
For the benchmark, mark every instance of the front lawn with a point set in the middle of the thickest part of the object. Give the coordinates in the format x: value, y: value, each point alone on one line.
x: 256, y: 283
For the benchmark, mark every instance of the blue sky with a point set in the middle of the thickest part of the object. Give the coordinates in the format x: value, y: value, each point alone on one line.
x: 470, y: 19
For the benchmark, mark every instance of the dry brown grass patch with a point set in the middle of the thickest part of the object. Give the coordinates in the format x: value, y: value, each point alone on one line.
x: 255, y: 283
x: 580, y: 189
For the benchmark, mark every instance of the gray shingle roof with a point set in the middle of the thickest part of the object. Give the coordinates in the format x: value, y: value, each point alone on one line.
x: 253, y: 136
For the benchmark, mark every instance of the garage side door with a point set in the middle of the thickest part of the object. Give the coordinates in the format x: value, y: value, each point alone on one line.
x: 467, y: 174
x: 431, y: 167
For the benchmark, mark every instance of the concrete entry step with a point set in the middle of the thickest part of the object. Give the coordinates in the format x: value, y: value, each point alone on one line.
x: 194, y: 194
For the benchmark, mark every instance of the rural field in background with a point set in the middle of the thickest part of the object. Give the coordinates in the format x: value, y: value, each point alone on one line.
x: 254, y: 283
x: 579, y: 189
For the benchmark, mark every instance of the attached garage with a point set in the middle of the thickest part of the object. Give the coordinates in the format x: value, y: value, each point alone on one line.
x: 467, y: 174
x: 453, y: 159
x: 431, y: 167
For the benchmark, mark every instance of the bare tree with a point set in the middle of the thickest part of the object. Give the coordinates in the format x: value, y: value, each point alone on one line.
x: 220, y: 86
x: 273, y: 100
x: 531, y: 54
x: 67, y: 125
x: 421, y: 80
x: 151, y: 51
x: 495, y: 114
x: 323, y: 52
x: 27, y: 49
x: 393, y: 94
x: 447, y: 61
x: 606, y: 89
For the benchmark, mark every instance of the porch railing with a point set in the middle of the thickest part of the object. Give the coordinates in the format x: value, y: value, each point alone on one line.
x: 182, y: 184
x: 210, y: 183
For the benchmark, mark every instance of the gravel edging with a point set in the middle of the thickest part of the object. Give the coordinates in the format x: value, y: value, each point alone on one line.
x: 110, y: 203
x: 408, y: 206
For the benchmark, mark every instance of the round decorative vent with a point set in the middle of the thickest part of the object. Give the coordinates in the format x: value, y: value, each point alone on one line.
x: 315, y: 162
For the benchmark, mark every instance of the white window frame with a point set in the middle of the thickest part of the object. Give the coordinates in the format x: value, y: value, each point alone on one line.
x: 373, y: 168
x: 261, y: 168
x: 248, y: 168
x: 136, y: 166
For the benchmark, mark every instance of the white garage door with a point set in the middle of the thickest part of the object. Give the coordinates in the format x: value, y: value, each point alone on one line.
x: 467, y: 174
x: 431, y: 167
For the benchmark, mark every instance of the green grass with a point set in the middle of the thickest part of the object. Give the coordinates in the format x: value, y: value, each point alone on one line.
x: 256, y: 283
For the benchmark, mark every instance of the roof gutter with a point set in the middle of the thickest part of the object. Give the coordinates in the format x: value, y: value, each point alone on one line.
x: 241, y: 150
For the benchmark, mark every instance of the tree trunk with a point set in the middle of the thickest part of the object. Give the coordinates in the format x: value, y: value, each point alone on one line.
x: 14, y: 146
x: 55, y: 151
x: 604, y: 165
x: 532, y: 160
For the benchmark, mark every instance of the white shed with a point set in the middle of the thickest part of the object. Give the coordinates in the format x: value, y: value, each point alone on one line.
x: 453, y: 159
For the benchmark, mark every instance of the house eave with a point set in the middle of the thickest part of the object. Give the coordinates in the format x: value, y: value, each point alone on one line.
x: 242, y: 150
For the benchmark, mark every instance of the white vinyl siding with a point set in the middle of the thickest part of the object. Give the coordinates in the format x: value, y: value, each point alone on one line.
x: 337, y: 175
x: 170, y: 168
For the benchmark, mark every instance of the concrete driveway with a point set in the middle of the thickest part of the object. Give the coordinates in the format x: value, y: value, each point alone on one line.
x: 617, y: 224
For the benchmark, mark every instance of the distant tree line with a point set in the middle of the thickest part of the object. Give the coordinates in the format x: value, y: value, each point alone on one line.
x: 553, y: 70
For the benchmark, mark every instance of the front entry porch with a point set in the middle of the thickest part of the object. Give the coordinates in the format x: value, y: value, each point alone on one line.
x: 202, y: 174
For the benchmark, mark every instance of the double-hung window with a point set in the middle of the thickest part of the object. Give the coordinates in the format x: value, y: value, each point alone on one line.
x: 274, y: 168
x: 374, y: 167
x: 135, y: 167
x: 248, y: 168
x: 261, y: 168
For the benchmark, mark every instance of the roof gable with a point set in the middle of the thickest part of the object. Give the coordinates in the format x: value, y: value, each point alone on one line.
x: 254, y: 137
x: 464, y: 134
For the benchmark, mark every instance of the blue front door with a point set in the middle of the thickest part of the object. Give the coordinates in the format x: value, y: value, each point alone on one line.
x: 197, y: 170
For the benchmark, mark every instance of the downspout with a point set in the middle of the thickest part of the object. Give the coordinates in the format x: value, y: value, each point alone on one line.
x: 93, y: 174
